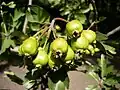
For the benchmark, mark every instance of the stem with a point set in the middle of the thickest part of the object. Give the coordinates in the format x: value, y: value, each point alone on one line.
x: 61, y: 19
x: 39, y: 30
x: 51, y: 28
x: 113, y: 31
x: 26, y: 21
x: 44, y: 31
x: 48, y: 35
x: 92, y: 24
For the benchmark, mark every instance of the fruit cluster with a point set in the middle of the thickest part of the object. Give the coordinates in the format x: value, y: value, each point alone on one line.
x: 61, y: 51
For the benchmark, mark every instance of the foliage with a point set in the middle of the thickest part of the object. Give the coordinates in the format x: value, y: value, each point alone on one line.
x: 38, y: 33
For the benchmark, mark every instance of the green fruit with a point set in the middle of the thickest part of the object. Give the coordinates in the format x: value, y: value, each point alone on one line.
x: 29, y: 46
x: 74, y: 28
x: 51, y: 63
x: 79, y: 43
x: 20, y: 50
x: 59, y: 46
x: 97, y: 49
x: 41, y: 58
x: 92, y: 52
x: 57, y: 27
x: 70, y: 54
x: 89, y: 34
x: 87, y: 52
x: 90, y: 47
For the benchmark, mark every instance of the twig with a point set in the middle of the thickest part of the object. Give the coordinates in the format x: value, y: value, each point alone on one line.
x: 113, y: 31
x: 92, y: 24
x: 26, y: 21
x: 41, y: 29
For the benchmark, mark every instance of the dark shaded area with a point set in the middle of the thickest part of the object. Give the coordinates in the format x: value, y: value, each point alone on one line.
x: 111, y: 10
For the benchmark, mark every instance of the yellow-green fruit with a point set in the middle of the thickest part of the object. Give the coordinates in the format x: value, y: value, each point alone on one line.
x: 51, y: 62
x: 20, y: 50
x: 87, y: 51
x: 41, y: 58
x: 97, y: 49
x: 79, y: 43
x: 70, y: 54
x: 57, y: 27
x: 74, y: 28
x: 89, y: 34
x: 90, y: 47
x: 29, y: 46
x: 59, y: 44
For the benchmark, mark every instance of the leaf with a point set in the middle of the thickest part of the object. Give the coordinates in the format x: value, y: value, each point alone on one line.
x: 18, y: 14
x: 94, y: 75
x: 54, y: 2
x: 103, y: 65
x: 38, y: 15
x: 6, y: 44
x: 10, y: 4
x: 81, y: 17
x: 92, y: 87
x: 109, y: 69
x: 111, y: 81
x: 13, y: 77
x: 34, y: 26
x: 101, y: 36
x: 109, y: 48
x: 58, y: 80
x: 29, y: 84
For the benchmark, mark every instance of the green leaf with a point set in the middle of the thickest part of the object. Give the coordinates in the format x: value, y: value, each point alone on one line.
x: 111, y: 81
x: 94, y: 75
x: 6, y: 44
x: 18, y: 14
x: 109, y: 69
x: 38, y: 15
x: 29, y: 84
x: 34, y: 26
x: 101, y: 36
x: 58, y: 80
x: 103, y: 65
x: 109, y: 48
x: 81, y: 17
x: 10, y: 4
x: 92, y: 87
x: 54, y: 2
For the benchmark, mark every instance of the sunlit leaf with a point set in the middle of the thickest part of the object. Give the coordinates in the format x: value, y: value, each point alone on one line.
x: 94, y: 75
x: 28, y: 84
x: 109, y: 48
x: 6, y: 44
x: 92, y: 87
x: 18, y: 13
x: 103, y: 65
